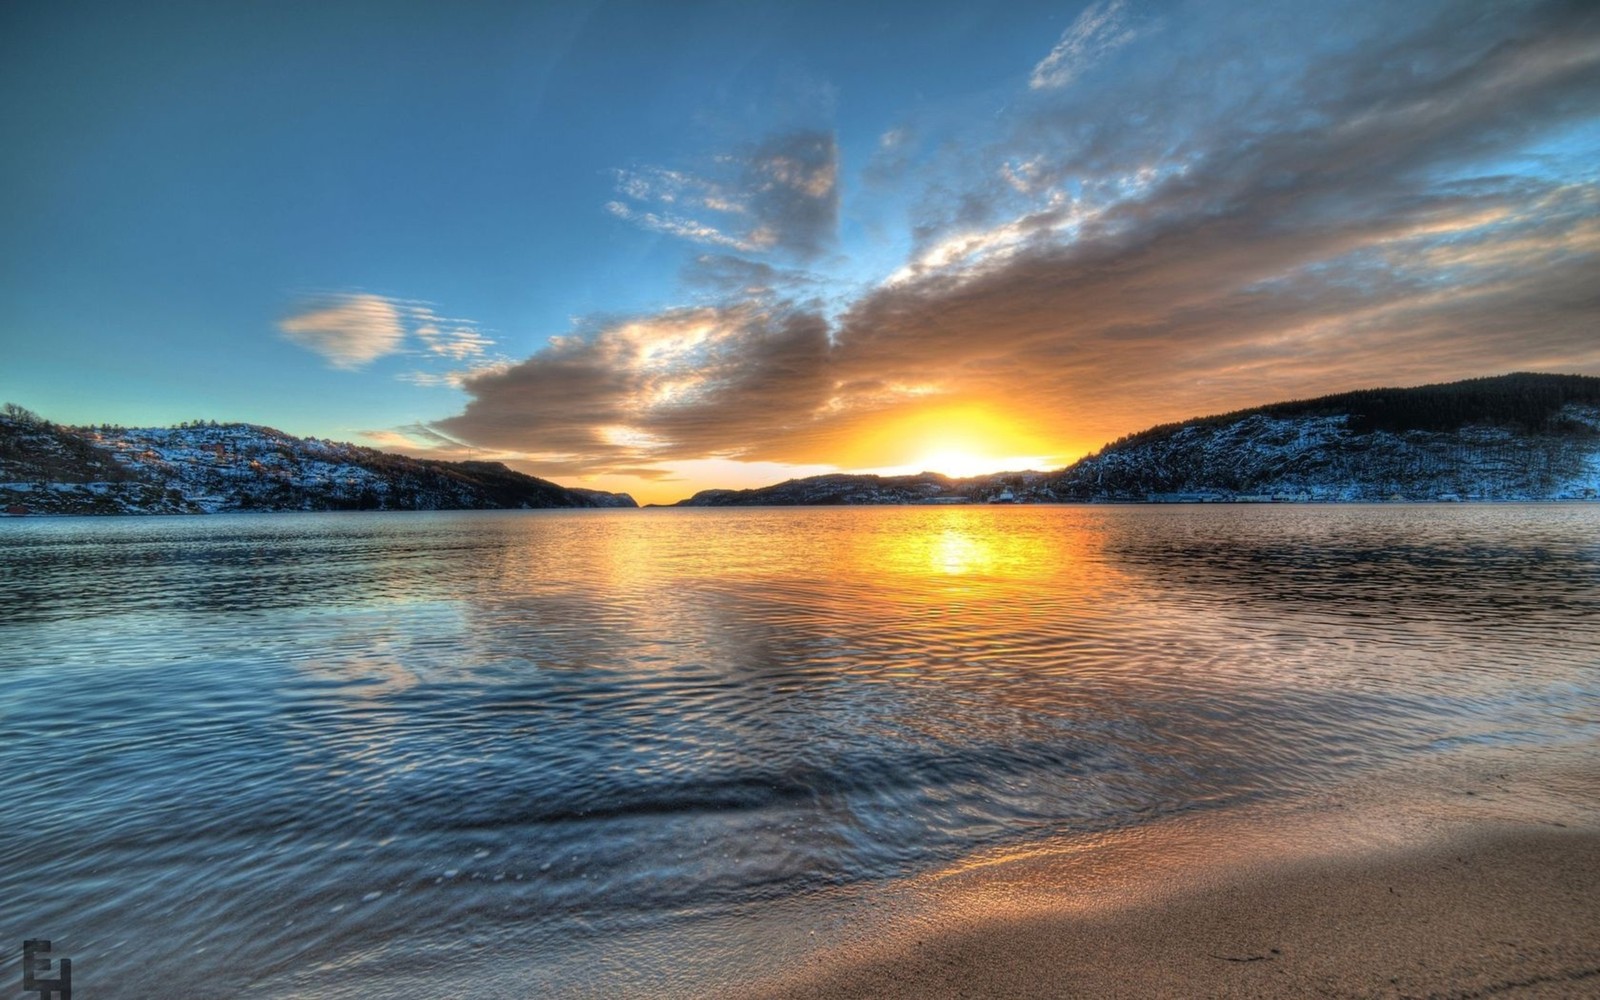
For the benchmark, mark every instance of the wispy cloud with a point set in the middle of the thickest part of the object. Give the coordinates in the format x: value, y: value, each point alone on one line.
x: 1100, y: 30
x: 422, y: 441
x: 453, y: 378
x: 458, y: 339
x: 780, y: 194
x: 352, y: 329
x: 677, y: 225
x: 349, y: 330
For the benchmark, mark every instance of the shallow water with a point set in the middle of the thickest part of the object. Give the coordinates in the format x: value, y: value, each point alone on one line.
x: 269, y: 754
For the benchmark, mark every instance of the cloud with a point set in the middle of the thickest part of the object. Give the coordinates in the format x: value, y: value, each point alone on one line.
x: 677, y: 225
x: 349, y: 330
x: 352, y: 329
x: 457, y: 339
x: 686, y: 383
x: 729, y: 277
x: 422, y: 441
x: 1238, y: 230
x: 1100, y: 30
x: 455, y: 377
x: 793, y: 182
x: 780, y: 194
x: 1360, y: 232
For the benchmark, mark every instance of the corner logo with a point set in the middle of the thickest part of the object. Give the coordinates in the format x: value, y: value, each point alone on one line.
x: 36, y: 962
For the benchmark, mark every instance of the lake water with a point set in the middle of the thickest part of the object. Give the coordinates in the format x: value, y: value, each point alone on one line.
x: 363, y: 754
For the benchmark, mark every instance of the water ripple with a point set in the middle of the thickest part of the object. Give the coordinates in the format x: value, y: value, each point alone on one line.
x: 252, y: 742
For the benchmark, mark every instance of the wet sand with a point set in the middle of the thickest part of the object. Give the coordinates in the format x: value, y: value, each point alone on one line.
x: 1491, y: 892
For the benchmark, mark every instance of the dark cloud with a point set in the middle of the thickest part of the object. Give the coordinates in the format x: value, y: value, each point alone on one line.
x: 682, y: 384
x: 1226, y: 227
x: 1354, y: 214
x: 726, y: 276
x: 793, y: 186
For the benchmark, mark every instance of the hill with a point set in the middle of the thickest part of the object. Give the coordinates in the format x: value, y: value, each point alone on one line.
x: 205, y: 468
x: 1515, y: 437
x: 846, y: 489
x: 1512, y: 437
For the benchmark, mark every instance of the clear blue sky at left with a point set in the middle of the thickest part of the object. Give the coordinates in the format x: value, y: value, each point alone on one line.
x: 178, y: 176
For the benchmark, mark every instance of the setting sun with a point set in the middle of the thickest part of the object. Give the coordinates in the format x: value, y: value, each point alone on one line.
x: 958, y: 440
x: 954, y: 462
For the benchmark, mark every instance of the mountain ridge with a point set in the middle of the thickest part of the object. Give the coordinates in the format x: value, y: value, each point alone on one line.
x: 1522, y: 436
x: 206, y: 467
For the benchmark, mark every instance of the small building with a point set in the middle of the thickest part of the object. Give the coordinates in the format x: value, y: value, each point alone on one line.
x: 17, y: 510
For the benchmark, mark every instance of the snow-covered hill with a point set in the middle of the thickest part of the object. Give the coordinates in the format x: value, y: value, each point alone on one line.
x: 1517, y: 437
x: 204, y: 468
x: 1513, y: 437
x: 1322, y: 458
x: 844, y: 489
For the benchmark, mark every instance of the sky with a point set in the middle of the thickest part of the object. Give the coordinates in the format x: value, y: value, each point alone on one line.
x: 661, y: 247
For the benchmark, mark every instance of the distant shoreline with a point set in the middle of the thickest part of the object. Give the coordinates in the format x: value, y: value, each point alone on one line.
x: 1564, y: 501
x: 8, y: 515
x: 1510, y: 438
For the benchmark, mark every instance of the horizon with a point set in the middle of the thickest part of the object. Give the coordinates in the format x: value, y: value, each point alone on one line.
x: 893, y: 473
x: 655, y: 251
x: 880, y: 472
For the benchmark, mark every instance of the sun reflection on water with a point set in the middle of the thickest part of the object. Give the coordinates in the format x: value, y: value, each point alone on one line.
x: 529, y: 725
x: 956, y: 552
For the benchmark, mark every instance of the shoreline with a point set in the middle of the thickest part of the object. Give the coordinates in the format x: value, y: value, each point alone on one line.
x: 1508, y: 911
x: 1472, y: 873
x: 1486, y: 883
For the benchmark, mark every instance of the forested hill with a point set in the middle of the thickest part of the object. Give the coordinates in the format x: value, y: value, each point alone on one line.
x: 46, y: 468
x: 1514, y: 437
x: 1524, y: 401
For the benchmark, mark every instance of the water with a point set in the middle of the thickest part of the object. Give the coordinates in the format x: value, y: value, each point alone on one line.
x: 337, y: 754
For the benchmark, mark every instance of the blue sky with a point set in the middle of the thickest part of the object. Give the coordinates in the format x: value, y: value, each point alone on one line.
x: 659, y: 246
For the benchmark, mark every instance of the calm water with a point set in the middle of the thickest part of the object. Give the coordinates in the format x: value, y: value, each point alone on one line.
x: 270, y: 754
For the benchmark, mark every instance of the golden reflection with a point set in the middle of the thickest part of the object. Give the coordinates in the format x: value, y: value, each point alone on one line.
x: 656, y: 551
x: 731, y: 586
x: 978, y: 542
x: 956, y: 552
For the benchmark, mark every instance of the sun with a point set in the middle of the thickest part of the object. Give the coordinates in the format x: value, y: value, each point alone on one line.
x: 959, y: 439
x: 956, y: 463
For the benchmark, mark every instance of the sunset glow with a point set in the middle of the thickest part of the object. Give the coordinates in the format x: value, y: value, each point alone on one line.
x: 686, y: 498
x: 957, y: 440
x: 660, y: 249
x: 953, y: 462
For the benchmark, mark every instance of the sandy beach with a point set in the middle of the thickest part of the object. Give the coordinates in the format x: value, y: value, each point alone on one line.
x: 1476, y: 888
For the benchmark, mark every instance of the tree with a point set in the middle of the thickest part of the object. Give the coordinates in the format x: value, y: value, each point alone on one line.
x: 22, y: 415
